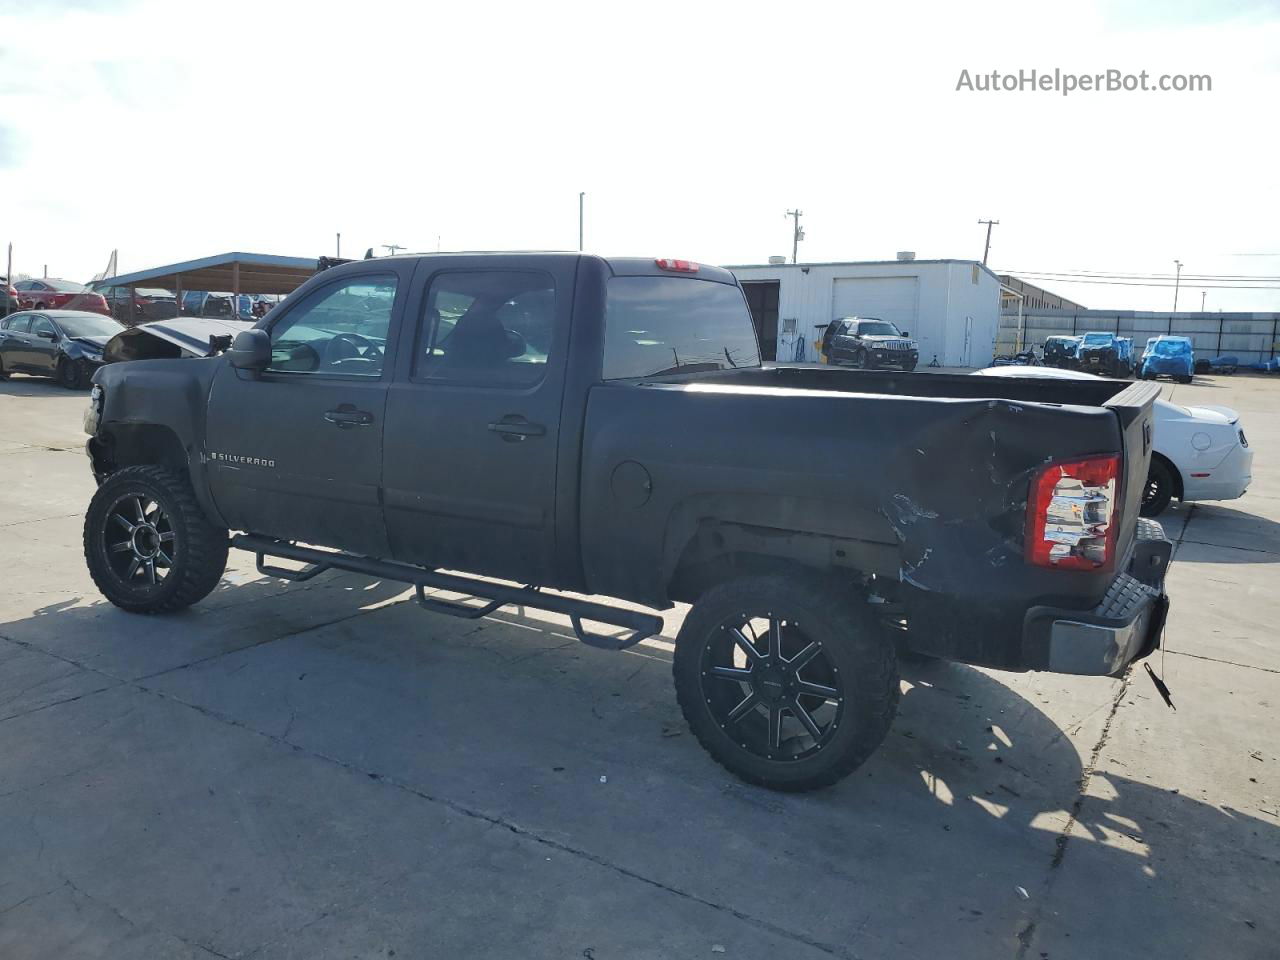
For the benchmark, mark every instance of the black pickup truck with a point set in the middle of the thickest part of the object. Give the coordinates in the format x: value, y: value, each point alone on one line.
x: 605, y: 426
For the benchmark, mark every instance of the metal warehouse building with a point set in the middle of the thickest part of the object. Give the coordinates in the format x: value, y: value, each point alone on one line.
x: 951, y: 307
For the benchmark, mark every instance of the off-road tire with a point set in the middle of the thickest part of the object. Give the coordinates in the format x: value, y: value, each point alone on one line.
x: 857, y: 646
x: 199, y: 548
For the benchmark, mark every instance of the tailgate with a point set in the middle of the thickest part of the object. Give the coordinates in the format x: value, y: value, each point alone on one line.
x: 1134, y: 406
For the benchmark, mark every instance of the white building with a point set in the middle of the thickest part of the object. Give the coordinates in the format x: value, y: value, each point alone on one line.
x: 951, y: 307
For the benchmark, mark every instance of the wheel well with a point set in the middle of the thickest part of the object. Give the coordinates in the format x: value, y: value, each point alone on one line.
x: 1174, y: 472
x: 719, y: 552
x: 137, y: 444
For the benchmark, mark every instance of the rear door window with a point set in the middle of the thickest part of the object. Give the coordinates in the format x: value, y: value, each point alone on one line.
x: 661, y: 325
x: 487, y: 327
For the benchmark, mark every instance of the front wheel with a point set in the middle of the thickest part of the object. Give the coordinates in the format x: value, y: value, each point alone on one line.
x: 786, y: 679
x: 71, y: 374
x: 148, y: 545
x: 909, y: 367
x: 859, y: 361
x: 1183, y: 379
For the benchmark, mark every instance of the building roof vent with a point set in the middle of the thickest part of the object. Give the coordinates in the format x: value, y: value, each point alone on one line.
x: 906, y: 254
x: 777, y: 261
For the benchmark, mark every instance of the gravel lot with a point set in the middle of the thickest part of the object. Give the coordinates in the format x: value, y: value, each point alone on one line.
x: 323, y: 770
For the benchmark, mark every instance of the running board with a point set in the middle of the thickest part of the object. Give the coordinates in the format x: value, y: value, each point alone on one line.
x: 641, y: 625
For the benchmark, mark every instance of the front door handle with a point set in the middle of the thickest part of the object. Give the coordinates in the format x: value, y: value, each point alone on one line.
x: 347, y: 416
x: 513, y: 428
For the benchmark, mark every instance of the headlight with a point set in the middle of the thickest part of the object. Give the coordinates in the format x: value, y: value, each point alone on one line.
x: 93, y: 412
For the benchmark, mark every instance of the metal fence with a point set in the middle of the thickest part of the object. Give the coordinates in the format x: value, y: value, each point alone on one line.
x: 1252, y: 337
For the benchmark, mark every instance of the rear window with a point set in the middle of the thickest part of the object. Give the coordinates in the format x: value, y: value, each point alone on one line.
x: 67, y: 286
x: 659, y: 325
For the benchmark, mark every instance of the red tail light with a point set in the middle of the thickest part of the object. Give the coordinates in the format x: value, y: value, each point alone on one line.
x: 1071, y: 514
x: 677, y: 266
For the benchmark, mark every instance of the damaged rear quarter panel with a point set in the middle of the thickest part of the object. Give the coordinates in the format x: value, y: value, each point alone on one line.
x: 946, y: 480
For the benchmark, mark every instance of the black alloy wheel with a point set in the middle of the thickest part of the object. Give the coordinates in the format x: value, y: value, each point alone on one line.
x: 148, y: 545
x: 786, y: 679
x: 771, y: 687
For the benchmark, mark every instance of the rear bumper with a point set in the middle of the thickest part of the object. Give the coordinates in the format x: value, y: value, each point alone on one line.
x: 1126, y: 626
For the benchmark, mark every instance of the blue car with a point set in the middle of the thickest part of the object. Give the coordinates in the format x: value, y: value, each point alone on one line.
x: 1168, y: 357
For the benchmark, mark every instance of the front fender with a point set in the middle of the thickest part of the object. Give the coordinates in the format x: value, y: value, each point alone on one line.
x: 149, y: 406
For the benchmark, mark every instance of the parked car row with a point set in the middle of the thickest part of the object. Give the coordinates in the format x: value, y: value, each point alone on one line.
x: 1111, y: 355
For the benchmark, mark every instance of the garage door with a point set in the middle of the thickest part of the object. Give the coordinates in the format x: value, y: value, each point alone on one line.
x: 885, y: 298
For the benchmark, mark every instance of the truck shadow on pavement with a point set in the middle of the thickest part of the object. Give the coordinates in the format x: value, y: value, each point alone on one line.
x: 976, y: 792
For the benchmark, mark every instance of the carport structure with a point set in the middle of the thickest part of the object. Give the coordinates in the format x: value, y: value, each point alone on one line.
x: 235, y: 272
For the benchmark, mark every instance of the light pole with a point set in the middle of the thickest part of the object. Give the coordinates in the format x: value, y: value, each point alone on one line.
x: 1202, y: 301
x: 1177, y: 280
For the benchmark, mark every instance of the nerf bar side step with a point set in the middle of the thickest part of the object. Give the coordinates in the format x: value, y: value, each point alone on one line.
x: 641, y: 625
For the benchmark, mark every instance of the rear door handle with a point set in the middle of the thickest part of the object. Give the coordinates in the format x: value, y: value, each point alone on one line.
x: 514, y: 428
x: 347, y: 416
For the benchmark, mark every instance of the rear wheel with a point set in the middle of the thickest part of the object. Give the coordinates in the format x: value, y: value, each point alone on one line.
x: 4, y: 374
x: 1158, y: 491
x: 786, y: 680
x: 148, y: 545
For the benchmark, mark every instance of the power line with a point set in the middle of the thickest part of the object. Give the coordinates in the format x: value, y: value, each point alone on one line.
x: 1149, y: 283
x: 1147, y: 276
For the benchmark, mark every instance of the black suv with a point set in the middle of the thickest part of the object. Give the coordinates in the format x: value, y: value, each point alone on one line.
x: 869, y: 344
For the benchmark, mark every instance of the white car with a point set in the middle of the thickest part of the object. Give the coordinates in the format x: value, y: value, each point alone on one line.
x: 1200, y: 453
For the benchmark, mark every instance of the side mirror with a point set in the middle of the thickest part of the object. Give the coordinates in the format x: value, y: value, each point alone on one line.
x: 46, y: 335
x: 251, y: 350
x: 906, y: 333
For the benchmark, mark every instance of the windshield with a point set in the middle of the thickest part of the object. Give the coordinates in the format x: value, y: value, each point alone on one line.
x: 1097, y: 339
x: 1171, y: 348
x: 656, y: 325
x: 89, y: 326
x: 877, y: 328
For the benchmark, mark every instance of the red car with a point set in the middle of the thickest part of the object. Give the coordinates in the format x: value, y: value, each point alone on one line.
x: 52, y: 294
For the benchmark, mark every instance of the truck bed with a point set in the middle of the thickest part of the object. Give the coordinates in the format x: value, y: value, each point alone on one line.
x: 919, y: 481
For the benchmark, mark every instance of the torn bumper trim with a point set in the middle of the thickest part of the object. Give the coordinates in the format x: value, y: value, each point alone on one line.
x: 1126, y: 626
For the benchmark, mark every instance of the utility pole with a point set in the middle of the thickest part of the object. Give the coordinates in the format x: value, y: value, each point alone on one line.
x: 1176, y: 281
x: 391, y: 248
x: 1202, y: 301
x: 581, y: 201
x: 797, y: 232
x: 987, y: 249
x: 339, y: 254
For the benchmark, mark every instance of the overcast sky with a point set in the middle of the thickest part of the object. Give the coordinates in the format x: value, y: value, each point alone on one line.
x: 176, y: 130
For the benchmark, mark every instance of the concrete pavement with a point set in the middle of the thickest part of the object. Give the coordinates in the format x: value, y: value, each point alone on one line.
x: 324, y: 770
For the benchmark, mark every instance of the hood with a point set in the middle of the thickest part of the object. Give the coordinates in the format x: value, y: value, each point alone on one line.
x: 95, y: 343
x: 1214, y: 413
x: 170, y: 339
